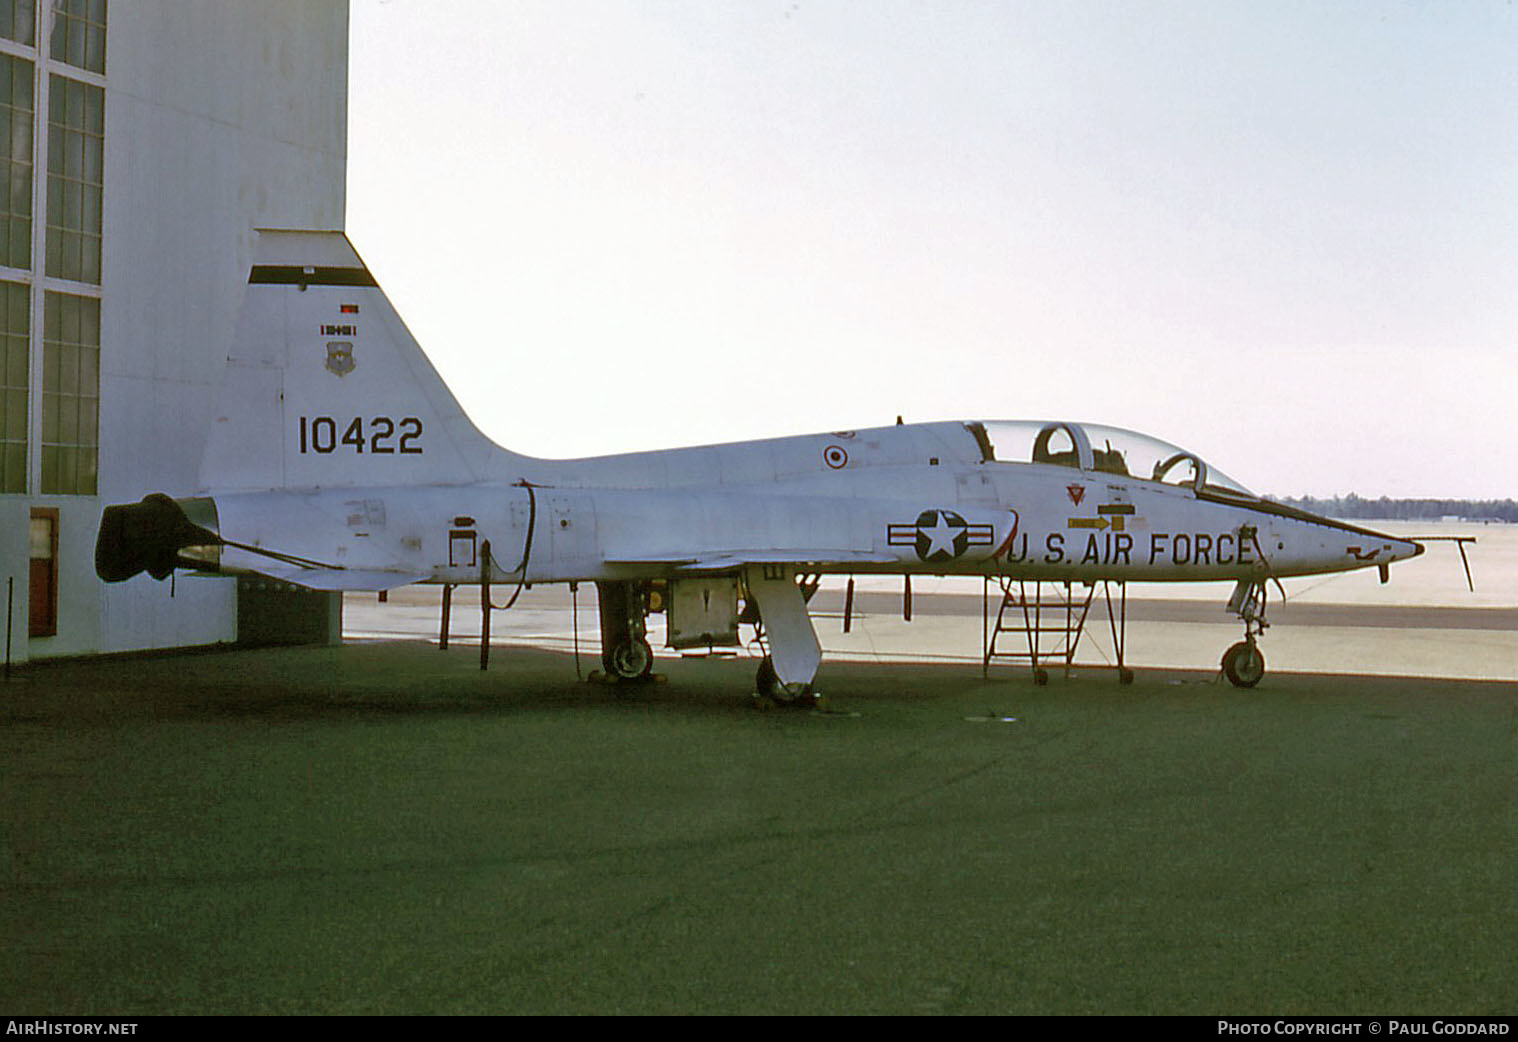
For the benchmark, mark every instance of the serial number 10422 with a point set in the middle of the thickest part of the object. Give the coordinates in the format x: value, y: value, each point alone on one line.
x: 382, y: 436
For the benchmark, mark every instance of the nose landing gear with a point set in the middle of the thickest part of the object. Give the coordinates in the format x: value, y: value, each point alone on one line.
x: 1244, y: 663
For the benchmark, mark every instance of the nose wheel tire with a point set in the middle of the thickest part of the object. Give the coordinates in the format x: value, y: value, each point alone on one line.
x: 1244, y: 664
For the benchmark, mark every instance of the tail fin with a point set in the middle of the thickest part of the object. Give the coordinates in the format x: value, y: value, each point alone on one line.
x: 326, y: 387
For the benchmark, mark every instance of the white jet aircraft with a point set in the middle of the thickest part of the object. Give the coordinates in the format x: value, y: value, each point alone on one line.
x: 338, y: 460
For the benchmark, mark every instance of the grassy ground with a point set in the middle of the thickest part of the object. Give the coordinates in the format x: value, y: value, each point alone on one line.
x: 381, y: 828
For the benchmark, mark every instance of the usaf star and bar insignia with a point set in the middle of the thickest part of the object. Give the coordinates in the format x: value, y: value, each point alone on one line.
x: 940, y: 535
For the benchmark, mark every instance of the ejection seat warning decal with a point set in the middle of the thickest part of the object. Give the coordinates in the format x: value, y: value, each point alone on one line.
x: 382, y: 436
x: 940, y: 535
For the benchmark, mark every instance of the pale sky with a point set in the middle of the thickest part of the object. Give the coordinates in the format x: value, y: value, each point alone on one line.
x: 1282, y: 235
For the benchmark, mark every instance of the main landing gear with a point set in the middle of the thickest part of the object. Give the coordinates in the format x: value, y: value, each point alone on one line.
x: 625, y: 651
x: 1244, y: 663
x: 776, y: 607
x: 771, y: 691
x: 786, y: 674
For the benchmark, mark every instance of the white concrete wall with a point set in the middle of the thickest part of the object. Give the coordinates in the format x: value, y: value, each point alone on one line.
x: 220, y: 118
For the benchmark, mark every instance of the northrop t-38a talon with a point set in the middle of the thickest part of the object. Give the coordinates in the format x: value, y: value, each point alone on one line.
x: 338, y: 460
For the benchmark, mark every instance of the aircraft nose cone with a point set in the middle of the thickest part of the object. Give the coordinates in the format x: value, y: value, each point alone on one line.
x: 1380, y: 548
x: 1398, y: 549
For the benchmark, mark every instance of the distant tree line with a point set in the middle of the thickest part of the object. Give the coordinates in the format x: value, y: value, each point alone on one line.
x: 1407, y: 509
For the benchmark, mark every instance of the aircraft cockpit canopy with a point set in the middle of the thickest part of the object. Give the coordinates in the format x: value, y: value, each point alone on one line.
x: 1105, y: 450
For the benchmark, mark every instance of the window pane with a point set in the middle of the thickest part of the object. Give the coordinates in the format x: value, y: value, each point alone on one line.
x: 21, y: 84
x: 15, y: 379
x: 21, y: 190
x: 78, y: 36
x: 72, y: 250
x: 75, y: 175
x: 13, y: 420
x: 89, y: 471
x: 71, y: 401
x: 15, y: 20
x: 16, y: 125
x: 90, y: 209
x: 73, y: 157
x: 94, y: 111
x: 13, y: 467
x: 74, y: 111
x: 89, y: 265
x: 68, y: 371
x: 68, y: 419
x: 15, y: 362
x: 68, y: 470
x: 94, y: 55
x: 17, y: 307
x: 76, y: 43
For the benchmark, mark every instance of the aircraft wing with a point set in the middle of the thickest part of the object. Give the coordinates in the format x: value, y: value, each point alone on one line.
x: 731, y: 560
x: 332, y: 579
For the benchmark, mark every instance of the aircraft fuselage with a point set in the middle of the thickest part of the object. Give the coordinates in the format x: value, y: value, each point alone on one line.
x: 725, y: 507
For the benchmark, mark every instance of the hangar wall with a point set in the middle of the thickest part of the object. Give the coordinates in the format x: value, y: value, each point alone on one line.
x: 162, y: 134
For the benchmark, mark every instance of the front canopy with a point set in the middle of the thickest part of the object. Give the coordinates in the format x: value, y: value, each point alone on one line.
x: 1106, y: 450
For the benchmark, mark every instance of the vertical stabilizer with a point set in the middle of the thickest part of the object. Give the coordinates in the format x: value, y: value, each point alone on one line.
x: 326, y: 386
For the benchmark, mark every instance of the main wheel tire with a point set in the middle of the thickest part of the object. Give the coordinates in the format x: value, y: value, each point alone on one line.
x: 1244, y: 664
x: 633, y: 659
x: 768, y: 685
